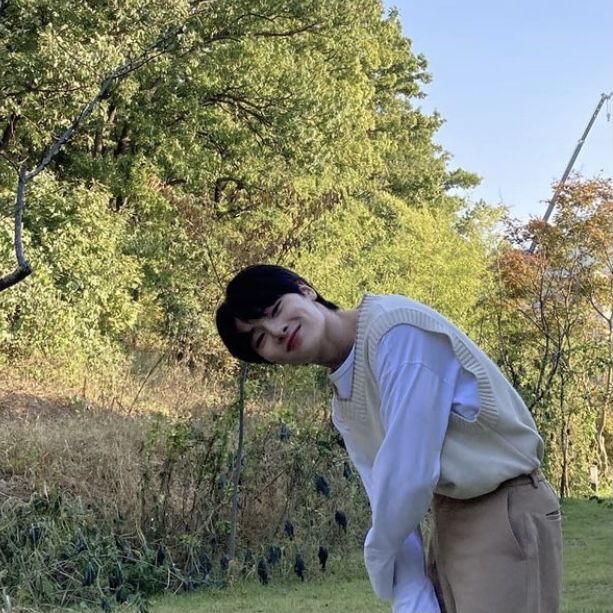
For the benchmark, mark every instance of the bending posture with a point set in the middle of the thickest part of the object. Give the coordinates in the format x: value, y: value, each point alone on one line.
x: 429, y: 422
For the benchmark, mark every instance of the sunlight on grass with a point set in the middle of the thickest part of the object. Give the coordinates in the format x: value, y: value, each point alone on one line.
x: 338, y: 596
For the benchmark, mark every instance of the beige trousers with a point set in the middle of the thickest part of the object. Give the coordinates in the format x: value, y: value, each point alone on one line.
x: 501, y: 552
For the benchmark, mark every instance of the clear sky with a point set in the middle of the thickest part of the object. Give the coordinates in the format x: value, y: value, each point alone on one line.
x: 517, y: 83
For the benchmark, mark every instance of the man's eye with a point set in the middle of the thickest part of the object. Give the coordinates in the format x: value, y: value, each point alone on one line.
x: 259, y: 340
x: 275, y: 309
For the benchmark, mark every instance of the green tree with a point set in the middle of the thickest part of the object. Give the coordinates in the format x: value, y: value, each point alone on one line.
x: 257, y: 131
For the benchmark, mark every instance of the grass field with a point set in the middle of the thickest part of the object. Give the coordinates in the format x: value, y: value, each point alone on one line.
x: 588, y: 578
x: 588, y: 557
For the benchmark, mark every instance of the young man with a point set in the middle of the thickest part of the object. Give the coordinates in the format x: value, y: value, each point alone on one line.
x: 430, y: 422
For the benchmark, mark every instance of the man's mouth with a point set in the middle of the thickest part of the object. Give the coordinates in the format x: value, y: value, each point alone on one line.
x: 292, y: 341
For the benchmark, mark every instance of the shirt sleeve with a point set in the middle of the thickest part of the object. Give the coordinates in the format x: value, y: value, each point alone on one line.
x: 413, y: 590
x: 415, y: 406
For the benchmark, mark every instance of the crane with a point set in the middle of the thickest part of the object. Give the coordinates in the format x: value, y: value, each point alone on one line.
x: 569, y: 166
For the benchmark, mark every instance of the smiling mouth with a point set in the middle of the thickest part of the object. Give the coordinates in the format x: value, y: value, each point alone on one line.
x: 292, y: 341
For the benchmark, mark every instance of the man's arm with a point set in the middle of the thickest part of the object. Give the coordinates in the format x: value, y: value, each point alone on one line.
x: 415, y: 406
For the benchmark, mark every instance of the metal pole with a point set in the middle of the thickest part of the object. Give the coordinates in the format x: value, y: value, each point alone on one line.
x: 570, y: 164
x: 238, y: 461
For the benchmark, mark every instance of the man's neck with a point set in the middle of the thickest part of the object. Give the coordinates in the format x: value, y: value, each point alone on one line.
x: 343, y: 338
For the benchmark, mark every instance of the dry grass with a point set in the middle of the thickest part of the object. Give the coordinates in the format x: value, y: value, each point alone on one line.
x: 91, y: 452
x: 88, y: 436
x: 151, y: 382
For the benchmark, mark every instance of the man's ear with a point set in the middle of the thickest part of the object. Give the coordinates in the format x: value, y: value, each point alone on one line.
x: 307, y: 290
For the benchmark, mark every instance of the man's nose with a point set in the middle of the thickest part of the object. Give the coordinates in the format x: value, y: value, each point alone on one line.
x: 278, y: 329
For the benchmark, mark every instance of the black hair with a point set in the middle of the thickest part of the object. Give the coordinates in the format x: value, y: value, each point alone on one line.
x: 248, y: 295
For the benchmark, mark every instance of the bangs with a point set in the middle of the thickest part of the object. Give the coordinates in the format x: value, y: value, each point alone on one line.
x: 239, y: 344
x: 253, y: 305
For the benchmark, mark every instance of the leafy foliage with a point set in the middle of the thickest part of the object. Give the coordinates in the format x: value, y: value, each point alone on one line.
x: 552, y: 314
x: 241, y: 140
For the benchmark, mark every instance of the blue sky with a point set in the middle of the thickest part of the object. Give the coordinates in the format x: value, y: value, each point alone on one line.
x: 517, y: 82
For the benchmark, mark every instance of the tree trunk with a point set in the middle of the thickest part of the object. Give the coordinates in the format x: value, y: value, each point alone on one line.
x: 564, y: 488
x: 603, y: 458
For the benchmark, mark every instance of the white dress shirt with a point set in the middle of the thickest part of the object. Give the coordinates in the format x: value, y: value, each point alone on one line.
x: 420, y: 382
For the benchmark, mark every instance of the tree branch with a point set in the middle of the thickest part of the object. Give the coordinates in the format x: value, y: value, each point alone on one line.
x: 119, y: 73
x: 148, y: 54
x: 9, y: 131
x: 306, y: 28
x: 23, y: 266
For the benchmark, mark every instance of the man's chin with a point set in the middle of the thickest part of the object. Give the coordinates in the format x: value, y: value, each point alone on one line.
x: 298, y: 360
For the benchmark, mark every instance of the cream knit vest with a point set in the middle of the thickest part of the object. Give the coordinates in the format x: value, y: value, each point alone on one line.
x: 501, y: 443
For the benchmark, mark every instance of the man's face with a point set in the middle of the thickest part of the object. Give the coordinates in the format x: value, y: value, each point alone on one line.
x: 292, y: 330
